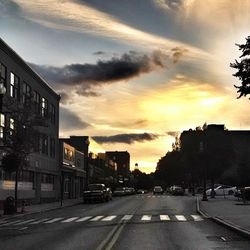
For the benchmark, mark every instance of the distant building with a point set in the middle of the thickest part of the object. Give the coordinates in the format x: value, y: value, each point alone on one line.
x: 40, y: 181
x: 122, y: 159
x: 237, y: 141
x: 73, y: 174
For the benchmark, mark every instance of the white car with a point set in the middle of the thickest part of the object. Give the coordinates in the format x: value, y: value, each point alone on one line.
x: 222, y: 190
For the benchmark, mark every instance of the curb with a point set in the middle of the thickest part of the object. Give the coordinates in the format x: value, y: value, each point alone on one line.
x: 243, y: 232
x: 3, y: 217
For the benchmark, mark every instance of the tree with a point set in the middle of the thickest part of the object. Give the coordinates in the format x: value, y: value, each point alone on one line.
x: 22, y: 135
x: 243, y: 69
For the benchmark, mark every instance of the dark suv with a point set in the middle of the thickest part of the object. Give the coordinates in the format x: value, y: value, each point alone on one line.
x: 96, y: 192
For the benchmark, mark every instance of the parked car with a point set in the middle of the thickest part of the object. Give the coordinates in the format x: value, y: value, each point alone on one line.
x: 140, y: 191
x: 96, y: 192
x: 177, y: 190
x: 158, y: 190
x: 129, y: 190
x: 222, y: 190
x: 120, y: 191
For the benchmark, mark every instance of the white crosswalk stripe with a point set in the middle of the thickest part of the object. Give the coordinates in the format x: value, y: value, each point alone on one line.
x: 127, y: 217
x: 180, y: 217
x: 197, y: 217
x: 146, y: 217
x: 69, y: 220
x: 38, y: 221
x: 23, y: 222
x: 109, y: 218
x: 53, y: 220
x: 83, y: 218
x: 97, y: 218
x: 164, y: 217
x: 10, y: 223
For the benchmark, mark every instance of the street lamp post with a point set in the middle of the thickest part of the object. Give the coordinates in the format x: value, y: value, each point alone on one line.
x: 204, y: 196
x: 87, y: 142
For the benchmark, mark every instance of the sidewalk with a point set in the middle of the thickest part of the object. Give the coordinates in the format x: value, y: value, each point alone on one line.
x: 229, y: 211
x: 38, y: 208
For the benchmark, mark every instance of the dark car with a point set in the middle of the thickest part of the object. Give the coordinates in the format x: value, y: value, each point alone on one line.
x: 177, y: 190
x: 96, y: 192
x: 158, y: 190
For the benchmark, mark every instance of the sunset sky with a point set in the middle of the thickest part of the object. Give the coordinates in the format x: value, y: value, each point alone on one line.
x: 134, y: 73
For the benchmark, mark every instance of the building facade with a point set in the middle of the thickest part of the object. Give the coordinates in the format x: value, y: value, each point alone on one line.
x: 228, y: 150
x: 39, y: 181
x: 122, y: 160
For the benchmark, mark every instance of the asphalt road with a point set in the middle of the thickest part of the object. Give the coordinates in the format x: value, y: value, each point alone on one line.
x: 138, y: 222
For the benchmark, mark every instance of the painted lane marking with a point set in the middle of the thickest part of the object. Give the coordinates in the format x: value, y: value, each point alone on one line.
x: 146, y: 217
x: 180, y: 217
x: 109, y: 218
x: 97, y: 218
x: 197, y: 217
x: 38, y: 221
x: 23, y: 222
x: 83, y: 219
x: 70, y: 220
x: 127, y: 217
x: 53, y: 220
x: 11, y: 222
x: 164, y: 217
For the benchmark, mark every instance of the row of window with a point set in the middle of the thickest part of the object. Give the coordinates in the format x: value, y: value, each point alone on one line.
x: 45, y: 145
x: 11, y: 125
x: 41, y: 104
x: 26, y: 176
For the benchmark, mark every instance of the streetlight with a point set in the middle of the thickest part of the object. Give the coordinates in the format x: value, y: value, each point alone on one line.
x: 204, y: 196
x: 2, y: 93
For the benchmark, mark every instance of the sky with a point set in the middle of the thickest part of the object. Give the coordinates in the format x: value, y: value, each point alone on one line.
x: 133, y: 74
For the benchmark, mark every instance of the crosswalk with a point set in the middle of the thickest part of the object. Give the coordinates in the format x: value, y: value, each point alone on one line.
x: 104, y: 218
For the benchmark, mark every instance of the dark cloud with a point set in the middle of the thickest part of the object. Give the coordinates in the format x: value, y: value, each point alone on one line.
x: 126, y: 138
x: 9, y: 8
x: 86, y: 76
x: 172, y: 133
x: 178, y: 53
x: 99, y: 53
x: 70, y: 121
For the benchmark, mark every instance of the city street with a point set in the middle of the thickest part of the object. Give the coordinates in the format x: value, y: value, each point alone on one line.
x: 132, y: 222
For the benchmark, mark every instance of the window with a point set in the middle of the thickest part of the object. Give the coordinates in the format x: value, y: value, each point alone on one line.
x: 47, y: 178
x: 52, y: 113
x: 14, y: 86
x: 2, y: 72
x: 37, y: 101
x: 12, y: 125
x: 2, y: 125
x: 44, y: 142
x: 44, y: 107
x: 26, y: 93
x: 52, y: 148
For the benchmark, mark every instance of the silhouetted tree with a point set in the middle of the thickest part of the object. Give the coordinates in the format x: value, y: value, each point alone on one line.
x: 21, y: 136
x: 243, y: 69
